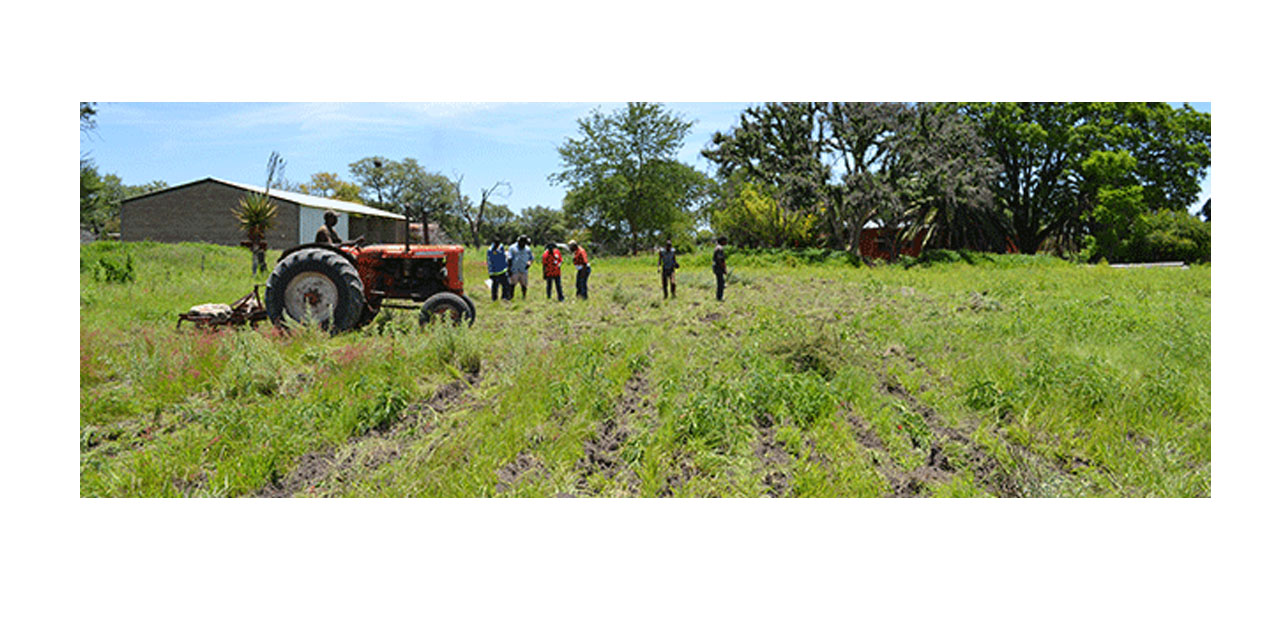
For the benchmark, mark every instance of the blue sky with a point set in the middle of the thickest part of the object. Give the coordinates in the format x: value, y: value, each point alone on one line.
x: 483, y: 142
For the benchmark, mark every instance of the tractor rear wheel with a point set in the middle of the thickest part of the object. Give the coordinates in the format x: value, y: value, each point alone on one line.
x: 316, y: 286
x: 446, y: 306
x: 471, y: 319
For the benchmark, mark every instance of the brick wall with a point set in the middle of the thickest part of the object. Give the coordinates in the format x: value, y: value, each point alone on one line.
x: 872, y: 247
x: 201, y: 212
x: 375, y: 230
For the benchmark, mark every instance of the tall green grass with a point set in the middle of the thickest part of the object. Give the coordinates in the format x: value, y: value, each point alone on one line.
x: 1030, y: 377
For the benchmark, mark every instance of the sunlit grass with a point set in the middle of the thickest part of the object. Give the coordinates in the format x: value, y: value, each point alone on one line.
x: 1024, y: 376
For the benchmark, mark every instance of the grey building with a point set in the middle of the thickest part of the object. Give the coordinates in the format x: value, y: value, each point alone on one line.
x: 201, y: 211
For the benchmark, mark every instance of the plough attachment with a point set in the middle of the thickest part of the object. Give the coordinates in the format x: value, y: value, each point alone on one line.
x: 248, y: 309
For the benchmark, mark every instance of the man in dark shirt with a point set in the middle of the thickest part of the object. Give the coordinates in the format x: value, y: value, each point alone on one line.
x: 327, y: 233
x: 667, y: 261
x: 718, y: 266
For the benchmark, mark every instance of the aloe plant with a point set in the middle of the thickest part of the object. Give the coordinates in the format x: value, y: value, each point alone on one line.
x: 256, y: 214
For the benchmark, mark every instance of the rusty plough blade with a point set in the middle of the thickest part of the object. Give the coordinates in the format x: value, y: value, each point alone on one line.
x: 248, y: 309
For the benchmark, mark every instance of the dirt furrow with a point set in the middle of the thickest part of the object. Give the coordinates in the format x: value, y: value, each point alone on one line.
x: 378, y: 446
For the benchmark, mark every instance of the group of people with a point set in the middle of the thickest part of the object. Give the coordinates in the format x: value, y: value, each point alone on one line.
x: 668, y: 264
x: 510, y: 266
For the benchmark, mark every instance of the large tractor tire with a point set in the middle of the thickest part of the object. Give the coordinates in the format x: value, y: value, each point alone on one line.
x: 316, y: 286
x: 446, y: 306
x: 472, y: 306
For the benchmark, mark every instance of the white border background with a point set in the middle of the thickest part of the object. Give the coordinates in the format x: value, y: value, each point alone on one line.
x: 566, y: 568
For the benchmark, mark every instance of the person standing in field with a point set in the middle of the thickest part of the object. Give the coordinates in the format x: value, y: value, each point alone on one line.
x: 718, y: 266
x: 497, y: 257
x: 551, y: 270
x: 521, y: 256
x: 667, y: 262
x: 583, y: 266
x: 328, y: 233
x: 258, y: 246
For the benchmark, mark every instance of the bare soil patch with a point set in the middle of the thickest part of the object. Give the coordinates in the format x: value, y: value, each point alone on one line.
x: 600, y: 451
x: 516, y: 470
x: 939, y: 468
x: 314, y: 468
x: 685, y: 470
x: 773, y: 456
x: 311, y: 469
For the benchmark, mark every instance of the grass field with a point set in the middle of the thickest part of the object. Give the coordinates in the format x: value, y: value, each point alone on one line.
x: 1016, y: 377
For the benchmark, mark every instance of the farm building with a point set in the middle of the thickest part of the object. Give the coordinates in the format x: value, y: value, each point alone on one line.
x: 200, y: 211
x: 435, y: 235
x: 877, y: 242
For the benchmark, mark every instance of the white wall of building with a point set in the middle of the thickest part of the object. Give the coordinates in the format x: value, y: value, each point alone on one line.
x: 311, y: 219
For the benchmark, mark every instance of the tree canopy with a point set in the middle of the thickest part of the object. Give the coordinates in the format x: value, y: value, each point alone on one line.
x: 1044, y: 188
x: 969, y: 175
x: 327, y: 184
x: 405, y: 187
x: 624, y: 178
x: 849, y: 163
x: 100, y: 197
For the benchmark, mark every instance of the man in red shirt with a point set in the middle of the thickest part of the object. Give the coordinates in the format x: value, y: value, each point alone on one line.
x: 584, y: 268
x: 551, y: 270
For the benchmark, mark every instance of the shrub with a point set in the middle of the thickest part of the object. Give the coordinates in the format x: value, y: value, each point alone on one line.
x: 1169, y: 236
x: 110, y: 269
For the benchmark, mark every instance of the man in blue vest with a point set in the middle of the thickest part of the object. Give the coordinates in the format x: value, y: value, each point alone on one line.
x: 498, y: 271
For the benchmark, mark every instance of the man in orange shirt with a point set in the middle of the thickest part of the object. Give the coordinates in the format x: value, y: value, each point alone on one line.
x: 551, y: 270
x: 584, y: 268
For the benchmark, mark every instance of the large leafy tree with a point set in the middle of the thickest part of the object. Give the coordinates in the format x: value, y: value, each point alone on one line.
x: 910, y: 166
x: 328, y: 185
x: 1044, y: 189
x: 406, y: 187
x: 781, y: 146
x: 101, y: 194
x: 624, y: 178
x: 749, y: 215
x: 938, y: 181
x: 544, y: 224
x: 831, y: 159
x: 88, y: 115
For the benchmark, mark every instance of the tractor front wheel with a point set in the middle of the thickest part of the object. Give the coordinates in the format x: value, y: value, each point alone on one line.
x: 316, y: 286
x: 446, y: 306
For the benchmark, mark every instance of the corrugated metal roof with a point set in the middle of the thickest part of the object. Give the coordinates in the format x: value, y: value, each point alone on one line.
x: 300, y: 198
x: 317, y: 202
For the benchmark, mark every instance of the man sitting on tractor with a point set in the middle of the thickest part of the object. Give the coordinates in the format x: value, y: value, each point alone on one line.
x: 327, y: 234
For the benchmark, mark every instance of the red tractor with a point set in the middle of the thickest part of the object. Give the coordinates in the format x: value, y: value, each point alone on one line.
x: 342, y: 287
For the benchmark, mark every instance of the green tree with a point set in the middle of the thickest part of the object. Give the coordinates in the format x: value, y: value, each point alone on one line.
x: 88, y: 113
x: 1111, y: 186
x: 938, y: 182
x: 406, y: 187
x: 749, y: 215
x: 1168, y: 235
x: 624, y: 178
x: 781, y: 146
x: 544, y: 224
x: 848, y: 163
x: 101, y: 195
x: 1043, y: 189
x: 379, y: 180
x: 328, y: 185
